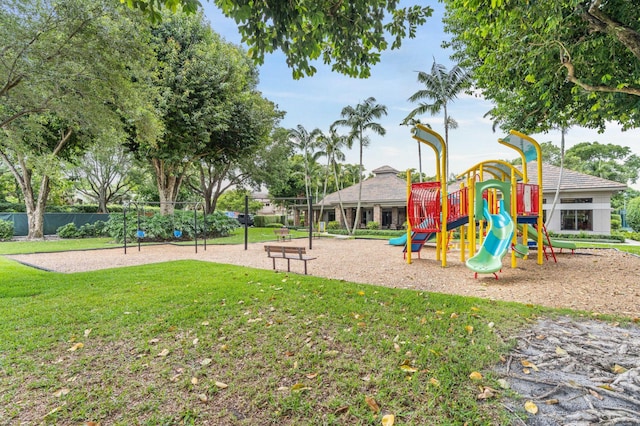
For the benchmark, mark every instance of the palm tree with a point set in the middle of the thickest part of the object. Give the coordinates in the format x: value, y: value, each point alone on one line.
x: 305, y: 142
x: 440, y: 87
x: 331, y: 145
x: 361, y: 119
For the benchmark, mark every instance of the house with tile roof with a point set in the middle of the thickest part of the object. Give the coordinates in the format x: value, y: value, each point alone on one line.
x: 584, y: 202
x: 384, y: 200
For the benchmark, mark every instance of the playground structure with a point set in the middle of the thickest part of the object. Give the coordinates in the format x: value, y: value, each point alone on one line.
x: 493, y: 206
x: 178, y: 226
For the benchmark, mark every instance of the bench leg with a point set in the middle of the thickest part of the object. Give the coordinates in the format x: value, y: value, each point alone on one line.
x: 274, y: 263
x: 288, y: 265
x: 305, y: 267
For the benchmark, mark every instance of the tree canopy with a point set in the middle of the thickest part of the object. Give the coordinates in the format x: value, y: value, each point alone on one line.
x: 549, y: 63
x: 349, y: 35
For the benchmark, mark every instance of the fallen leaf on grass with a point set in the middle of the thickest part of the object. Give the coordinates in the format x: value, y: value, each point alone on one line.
x: 475, y: 376
x: 300, y: 387
x: 87, y: 332
x: 164, y: 352
x: 75, y: 347
x: 434, y: 381
x: 92, y: 424
x: 202, y: 397
x: 388, y: 420
x: 552, y: 401
x: 341, y: 410
x: 469, y: 329
x: 372, y: 404
x: 408, y: 368
x: 531, y: 407
x: 486, y: 393
x: 194, y: 380
x: 61, y: 392
x: 221, y: 385
x: 312, y: 375
x: 205, y: 362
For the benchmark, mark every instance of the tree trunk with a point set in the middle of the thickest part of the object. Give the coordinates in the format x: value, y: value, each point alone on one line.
x: 168, y: 183
x: 557, y: 195
x: 357, y: 219
x: 102, y: 201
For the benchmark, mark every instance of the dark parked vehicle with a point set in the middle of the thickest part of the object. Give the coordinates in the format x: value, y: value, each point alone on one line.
x: 242, y: 219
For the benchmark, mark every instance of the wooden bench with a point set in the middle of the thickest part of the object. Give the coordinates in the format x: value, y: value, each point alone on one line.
x: 282, y: 234
x: 289, y: 253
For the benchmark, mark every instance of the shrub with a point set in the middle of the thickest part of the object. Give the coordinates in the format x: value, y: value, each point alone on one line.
x: 68, y: 231
x: 264, y: 221
x: 373, y: 225
x: 274, y: 225
x: 161, y: 228
x: 6, y: 230
x: 633, y: 214
x: 334, y: 224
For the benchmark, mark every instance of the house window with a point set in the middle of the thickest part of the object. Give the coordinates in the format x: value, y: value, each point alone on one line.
x: 331, y: 216
x: 576, y: 200
x: 576, y: 220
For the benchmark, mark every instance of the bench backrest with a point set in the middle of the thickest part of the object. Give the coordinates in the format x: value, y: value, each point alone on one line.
x: 281, y: 231
x: 285, y: 250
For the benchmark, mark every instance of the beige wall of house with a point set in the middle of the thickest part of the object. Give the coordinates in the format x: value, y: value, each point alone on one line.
x: 579, y: 211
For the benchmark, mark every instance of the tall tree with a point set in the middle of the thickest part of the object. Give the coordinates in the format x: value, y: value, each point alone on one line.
x: 608, y: 161
x: 331, y: 146
x: 360, y: 119
x: 104, y: 172
x: 203, y: 83
x: 440, y: 88
x: 66, y: 73
x: 306, y: 142
x: 242, y: 149
x: 577, y: 59
x: 349, y: 35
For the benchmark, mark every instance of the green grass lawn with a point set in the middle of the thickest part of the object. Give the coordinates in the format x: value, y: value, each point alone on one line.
x: 190, y: 342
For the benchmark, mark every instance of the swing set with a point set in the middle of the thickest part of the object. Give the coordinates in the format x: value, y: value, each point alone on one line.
x: 177, y: 225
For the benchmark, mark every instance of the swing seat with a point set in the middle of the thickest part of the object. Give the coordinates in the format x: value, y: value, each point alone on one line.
x: 140, y: 233
x: 177, y: 233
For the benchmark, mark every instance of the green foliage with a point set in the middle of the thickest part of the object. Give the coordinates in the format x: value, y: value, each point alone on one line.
x: 68, y: 231
x: 233, y: 201
x: 263, y: 221
x: 159, y: 227
x: 333, y: 225
x: 6, y: 230
x: 550, y: 65
x: 7, y: 207
x: 373, y: 225
x: 88, y: 230
x: 633, y: 214
x: 616, y: 222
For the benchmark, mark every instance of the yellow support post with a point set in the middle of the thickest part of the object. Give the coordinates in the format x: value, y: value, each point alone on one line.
x: 408, y: 219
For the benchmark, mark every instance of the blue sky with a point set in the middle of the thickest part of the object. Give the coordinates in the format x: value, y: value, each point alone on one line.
x: 317, y: 101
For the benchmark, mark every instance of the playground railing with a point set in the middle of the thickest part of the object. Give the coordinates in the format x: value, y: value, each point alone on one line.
x: 458, y: 204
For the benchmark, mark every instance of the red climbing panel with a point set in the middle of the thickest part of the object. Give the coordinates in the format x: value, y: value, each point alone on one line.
x: 424, y: 207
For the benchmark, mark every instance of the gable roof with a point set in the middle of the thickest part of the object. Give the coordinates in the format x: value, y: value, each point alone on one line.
x: 384, y: 187
x: 571, y: 180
